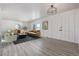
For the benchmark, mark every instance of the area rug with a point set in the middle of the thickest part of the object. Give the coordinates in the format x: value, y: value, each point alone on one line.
x: 27, y: 38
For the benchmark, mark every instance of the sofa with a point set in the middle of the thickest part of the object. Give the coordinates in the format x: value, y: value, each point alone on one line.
x: 34, y: 33
x: 9, y: 37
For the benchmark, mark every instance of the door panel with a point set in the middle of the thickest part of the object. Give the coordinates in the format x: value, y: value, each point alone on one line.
x: 68, y: 26
x: 56, y: 23
x: 77, y: 25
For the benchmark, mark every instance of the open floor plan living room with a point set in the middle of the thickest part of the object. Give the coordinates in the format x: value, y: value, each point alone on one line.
x: 39, y: 29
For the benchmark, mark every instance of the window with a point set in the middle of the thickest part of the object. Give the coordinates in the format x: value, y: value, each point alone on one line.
x: 38, y: 27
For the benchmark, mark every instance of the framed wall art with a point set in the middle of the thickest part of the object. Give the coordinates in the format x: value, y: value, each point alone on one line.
x: 45, y: 25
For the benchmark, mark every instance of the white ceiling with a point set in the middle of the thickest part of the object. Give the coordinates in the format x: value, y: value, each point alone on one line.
x: 30, y: 11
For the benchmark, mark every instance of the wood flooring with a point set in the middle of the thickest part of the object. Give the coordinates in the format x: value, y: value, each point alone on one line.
x: 41, y: 47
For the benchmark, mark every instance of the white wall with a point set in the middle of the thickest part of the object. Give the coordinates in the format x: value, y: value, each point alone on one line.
x: 77, y: 25
x: 11, y: 24
x: 8, y: 24
x: 68, y: 20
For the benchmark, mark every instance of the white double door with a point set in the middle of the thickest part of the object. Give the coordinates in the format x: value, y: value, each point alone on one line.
x: 62, y: 26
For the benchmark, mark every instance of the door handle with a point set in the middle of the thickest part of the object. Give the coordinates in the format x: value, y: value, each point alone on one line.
x: 60, y: 28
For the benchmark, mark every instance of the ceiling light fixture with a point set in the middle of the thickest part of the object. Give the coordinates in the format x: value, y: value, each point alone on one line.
x: 52, y: 10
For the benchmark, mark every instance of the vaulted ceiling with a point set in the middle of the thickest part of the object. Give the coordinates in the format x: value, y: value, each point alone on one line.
x: 30, y: 11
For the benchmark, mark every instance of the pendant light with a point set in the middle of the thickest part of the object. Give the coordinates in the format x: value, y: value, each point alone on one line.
x: 52, y: 10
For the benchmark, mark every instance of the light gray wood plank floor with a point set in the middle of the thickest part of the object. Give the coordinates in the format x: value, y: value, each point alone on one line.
x: 41, y: 47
